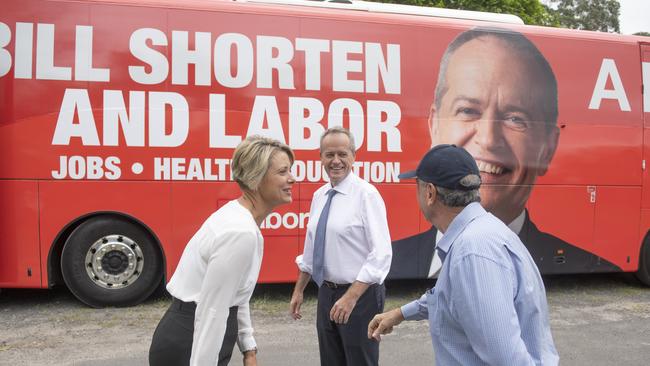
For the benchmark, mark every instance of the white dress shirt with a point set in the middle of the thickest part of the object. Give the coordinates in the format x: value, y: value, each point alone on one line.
x: 357, y: 241
x: 218, y: 269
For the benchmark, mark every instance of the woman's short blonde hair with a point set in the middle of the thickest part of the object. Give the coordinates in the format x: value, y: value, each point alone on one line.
x: 252, y: 158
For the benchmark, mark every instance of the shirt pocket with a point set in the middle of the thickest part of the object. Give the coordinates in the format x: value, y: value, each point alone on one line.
x: 433, y: 307
x: 351, y: 229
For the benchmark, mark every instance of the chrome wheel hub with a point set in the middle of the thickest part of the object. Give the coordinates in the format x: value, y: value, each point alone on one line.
x: 114, y: 261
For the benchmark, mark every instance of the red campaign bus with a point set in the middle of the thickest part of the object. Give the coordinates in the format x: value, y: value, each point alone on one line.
x: 118, y: 119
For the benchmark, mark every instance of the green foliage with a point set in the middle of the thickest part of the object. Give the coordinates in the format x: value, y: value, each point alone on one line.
x: 596, y: 15
x: 647, y: 34
x: 530, y: 11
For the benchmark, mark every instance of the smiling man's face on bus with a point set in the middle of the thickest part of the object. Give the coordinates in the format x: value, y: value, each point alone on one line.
x: 492, y: 104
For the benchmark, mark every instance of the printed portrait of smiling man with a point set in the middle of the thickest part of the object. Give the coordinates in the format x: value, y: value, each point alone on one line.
x: 497, y: 97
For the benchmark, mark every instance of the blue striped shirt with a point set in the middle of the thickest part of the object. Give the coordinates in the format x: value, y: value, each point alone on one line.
x: 489, y: 304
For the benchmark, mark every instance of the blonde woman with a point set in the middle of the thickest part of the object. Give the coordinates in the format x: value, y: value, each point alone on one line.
x: 218, y: 270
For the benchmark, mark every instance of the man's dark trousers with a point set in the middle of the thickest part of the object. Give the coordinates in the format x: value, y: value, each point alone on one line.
x: 348, y: 344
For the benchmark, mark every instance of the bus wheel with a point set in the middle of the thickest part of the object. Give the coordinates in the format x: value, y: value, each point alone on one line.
x: 643, y: 273
x: 110, y: 261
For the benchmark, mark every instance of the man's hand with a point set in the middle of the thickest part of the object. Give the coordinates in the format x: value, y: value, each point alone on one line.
x: 250, y: 358
x: 297, y: 296
x: 294, y: 305
x: 340, y: 312
x: 342, y: 309
x: 383, y: 323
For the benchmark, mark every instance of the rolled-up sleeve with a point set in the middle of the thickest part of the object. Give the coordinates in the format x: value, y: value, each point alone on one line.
x: 302, y: 263
x: 227, y: 267
x: 377, y: 264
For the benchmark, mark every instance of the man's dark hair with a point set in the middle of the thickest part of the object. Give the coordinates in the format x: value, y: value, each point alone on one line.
x: 522, y: 46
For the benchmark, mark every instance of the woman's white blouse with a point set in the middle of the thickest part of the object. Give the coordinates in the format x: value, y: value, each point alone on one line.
x: 218, y: 269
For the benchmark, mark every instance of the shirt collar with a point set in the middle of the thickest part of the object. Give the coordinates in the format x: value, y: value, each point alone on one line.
x: 516, y: 225
x: 458, y: 224
x: 518, y: 222
x: 344, y: 186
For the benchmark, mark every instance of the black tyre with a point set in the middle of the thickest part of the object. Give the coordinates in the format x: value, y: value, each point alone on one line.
x: 110, y: 261
x: 643, y: 273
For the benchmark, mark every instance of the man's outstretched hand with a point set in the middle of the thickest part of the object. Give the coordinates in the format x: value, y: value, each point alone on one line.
x: 383, y: 323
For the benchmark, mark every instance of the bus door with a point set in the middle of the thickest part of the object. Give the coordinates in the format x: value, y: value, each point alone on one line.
x: 616, y: 223
x: 645, y: 87
x: 645, y: 203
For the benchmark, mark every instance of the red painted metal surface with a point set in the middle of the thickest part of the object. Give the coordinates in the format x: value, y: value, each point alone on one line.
x: 601, y: 147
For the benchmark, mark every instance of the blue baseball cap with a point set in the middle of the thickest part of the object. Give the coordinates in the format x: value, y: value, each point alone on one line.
x: 445, y: 166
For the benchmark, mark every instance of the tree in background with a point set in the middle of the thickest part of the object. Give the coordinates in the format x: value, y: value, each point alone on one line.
x: 647, y: 34
x: 597, y: 15
x: 530, y: 11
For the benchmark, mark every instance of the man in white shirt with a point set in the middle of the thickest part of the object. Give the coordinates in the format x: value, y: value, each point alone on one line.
x: 347, y: 253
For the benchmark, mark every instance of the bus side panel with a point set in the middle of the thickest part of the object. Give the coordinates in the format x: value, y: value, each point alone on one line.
x: 19, y: 251
x: 62, y: 202
x: 566, y: 215
x: 599, y: 216
x: 643, y: 231
x: 402, y: 209
x: 29, y: 106
x: 617, y: 207
x: 278, y: 263
x: 645, y: 200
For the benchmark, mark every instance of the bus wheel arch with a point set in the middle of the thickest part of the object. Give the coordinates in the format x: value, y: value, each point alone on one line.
x: 109, y: 259
x: 643, y: 273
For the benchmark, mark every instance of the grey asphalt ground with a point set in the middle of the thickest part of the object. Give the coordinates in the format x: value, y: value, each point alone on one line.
x: 596, y: 320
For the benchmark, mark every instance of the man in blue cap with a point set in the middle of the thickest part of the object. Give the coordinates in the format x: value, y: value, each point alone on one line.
x: 489, y: 304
